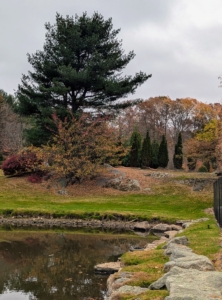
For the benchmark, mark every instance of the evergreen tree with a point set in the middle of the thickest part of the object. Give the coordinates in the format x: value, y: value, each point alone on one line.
x: 163, y: 157
x: 178, y: 153
x: 154, y: 154
x: 134, y: 155
x: 146, y: 151
x: 80, y: 66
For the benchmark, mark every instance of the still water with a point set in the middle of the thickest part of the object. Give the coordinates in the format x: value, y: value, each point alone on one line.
x: 57, y: 266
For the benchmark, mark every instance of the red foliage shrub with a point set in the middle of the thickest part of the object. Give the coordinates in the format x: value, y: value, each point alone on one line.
x: 20, y: 163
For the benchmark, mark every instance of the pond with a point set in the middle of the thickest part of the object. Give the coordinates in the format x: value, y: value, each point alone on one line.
x: 58, y: 265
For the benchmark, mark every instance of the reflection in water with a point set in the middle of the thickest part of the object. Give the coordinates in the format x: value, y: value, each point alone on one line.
x: 57, y: 266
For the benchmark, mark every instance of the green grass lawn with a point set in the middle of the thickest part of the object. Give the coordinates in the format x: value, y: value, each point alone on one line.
x: 168, y: 202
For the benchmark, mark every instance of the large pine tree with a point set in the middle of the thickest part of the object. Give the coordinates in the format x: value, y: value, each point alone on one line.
x: 80, y: 66
x: 163, y: 157
x: 146, y: 151
x: 178, y: 153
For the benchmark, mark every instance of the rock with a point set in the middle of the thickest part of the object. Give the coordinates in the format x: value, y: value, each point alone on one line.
x: 191, y: 261
x: 198, y: 187
x: 115, y: 282
x: 181, y: 222
x: 142, y: 226
x: 189, y: 276
x: 123, y: 184
x: 108, y: 268
x: 127, y: 289
x: 161, y: 282
x: 62, y: 182
x: 62, y: 192
x: 158, y: 175
x: 133, y: 185
x: 176, y: 227
x: 194, y: 284
x: 187, y: 224
x: 176, y: 251
x: 170, y: 234
x: 159, y: 229
x: 181, y: 240
x: 156, y: 243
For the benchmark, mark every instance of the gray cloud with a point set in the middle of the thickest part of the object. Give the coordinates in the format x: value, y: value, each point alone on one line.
x: 177, y: 41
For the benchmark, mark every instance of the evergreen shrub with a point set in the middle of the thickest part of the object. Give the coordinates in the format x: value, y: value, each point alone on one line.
x: 202, y: 169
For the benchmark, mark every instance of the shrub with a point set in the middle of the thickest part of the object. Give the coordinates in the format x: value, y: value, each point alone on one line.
x: 1, y: 158
x: 191, y: 163
x: 20, y: 163
x: 35, y: 178
x: 202, y: 169
x: 207, y: 165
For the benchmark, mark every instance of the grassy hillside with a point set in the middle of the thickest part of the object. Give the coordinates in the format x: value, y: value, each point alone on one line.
x: 168, y: 200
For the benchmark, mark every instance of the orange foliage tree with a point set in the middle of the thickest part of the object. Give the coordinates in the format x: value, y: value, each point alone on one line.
x: 79, y: 147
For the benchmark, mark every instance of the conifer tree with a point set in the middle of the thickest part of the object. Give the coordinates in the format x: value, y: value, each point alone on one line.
x: 134, y: 155
x: 178, y: 153
x: 154, y: 155
x: 146, y: 151
x: 163, y: 157
x: 80, y: 66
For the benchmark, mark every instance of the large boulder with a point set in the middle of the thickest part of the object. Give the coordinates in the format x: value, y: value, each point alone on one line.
x: 123, y: 184
x: 192, y: 261
x: 189, y: 276
x: 190, y: 284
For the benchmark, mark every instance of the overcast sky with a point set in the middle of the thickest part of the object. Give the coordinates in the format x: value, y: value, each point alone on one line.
x: 179, y: 42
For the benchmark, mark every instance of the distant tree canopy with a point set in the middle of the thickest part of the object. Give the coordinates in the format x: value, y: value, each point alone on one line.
x: 79, y: 67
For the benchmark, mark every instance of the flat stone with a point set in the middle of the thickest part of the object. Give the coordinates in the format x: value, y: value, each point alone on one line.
x: 170, y: 234
x: 108, y: 268
x: 155, y: 243
x: 127, y: 289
